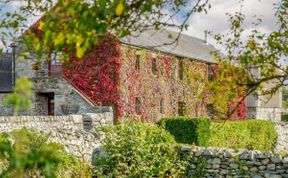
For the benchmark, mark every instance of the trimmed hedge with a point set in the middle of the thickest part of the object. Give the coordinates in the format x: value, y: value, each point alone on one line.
x: 188, y: 130
x: 138, y: 150
x: 250, y: 134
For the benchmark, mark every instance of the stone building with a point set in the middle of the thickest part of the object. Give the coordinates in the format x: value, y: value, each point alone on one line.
x: 150, y: 82
x: 143, y: 76
x: 266, y: 107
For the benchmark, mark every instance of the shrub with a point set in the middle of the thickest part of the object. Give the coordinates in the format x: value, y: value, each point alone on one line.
x: 188, y: 130
x: 138, y: 150
x: 250, y: 134
x: 28, y: 153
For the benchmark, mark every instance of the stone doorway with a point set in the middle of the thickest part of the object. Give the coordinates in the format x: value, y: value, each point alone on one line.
x: 45, y: 104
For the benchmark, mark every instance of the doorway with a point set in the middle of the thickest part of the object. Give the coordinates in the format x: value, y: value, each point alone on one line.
x: 45, y: 104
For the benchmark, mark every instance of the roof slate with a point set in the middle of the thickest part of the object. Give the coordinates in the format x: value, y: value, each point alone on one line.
x: 186, y: 46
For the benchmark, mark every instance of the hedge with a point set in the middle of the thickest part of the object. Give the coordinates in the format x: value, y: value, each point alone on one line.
x: 188, y: 130
x: 250, y: 134
x: 138, y: 150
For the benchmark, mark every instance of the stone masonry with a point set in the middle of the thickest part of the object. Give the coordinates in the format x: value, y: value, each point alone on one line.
x: 73, y: 131
x: 235, y: 163
x: 282, y: 141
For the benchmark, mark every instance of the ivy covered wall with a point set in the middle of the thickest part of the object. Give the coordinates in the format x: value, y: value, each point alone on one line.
x: 161, y: 87
x: 139, y: 83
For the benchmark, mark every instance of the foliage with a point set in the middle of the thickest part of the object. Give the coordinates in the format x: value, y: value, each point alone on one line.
x: 29, y: 153
x: 224, y: 94
x: 188, y: 130
x: 77, y: 25
x: 285, y: 97
x: 20, y: 98
x: 138, y: 150
x: 96, y: 75
x: 284, y: 117
x: 250, y: 134
x: 261, y: 54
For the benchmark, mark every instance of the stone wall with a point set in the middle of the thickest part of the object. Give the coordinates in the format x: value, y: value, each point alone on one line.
x: 73, y: 131
x: 264, y: 113
x: 282, y: 141
x: 232, y: 163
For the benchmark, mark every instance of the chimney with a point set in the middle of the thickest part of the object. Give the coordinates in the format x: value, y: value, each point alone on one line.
x: 206, y: 32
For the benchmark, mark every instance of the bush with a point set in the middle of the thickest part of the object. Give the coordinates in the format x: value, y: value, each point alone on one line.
x: 138, y: 150
x: 250, y: 134
x: 28, y: 153
x: 188, y: 130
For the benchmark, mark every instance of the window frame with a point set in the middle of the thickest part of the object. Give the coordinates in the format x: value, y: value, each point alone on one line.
x: 161, y: 107
x: 154, y: 66
x: 181, y: 69
x: 137, y: 62
x: 138, y: 105
x: 210, y: 72
x: 181, y: 108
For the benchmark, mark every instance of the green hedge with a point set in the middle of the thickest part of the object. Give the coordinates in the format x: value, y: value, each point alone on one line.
x: 250, y: 134
x: 138, y: 150
x: 188, y: 130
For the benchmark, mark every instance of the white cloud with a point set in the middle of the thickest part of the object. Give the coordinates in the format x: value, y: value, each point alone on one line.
x: 217, y: 21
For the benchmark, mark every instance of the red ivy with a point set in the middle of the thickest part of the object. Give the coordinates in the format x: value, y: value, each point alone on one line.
x: 96, y: 75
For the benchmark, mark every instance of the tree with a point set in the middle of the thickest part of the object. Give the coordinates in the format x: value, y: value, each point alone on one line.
x: 260, y: 55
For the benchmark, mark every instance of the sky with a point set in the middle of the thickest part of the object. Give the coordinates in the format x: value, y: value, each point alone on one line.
x: 217, y: 21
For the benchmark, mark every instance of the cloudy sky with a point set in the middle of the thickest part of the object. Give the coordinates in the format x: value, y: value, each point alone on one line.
x: 217, y: 21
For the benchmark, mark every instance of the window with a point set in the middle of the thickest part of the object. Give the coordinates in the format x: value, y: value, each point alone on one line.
x: 138, y: 105
x: 162, y: 106
x: 137, y: 63
x: 181, y: 69
x: 210, y: 72
x: 154, y: 66
x: 6, y: 73
x: 181, y: 108
x: 210, y: 110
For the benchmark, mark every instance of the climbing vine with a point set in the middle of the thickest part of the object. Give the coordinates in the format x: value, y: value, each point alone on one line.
x: 97, y: 74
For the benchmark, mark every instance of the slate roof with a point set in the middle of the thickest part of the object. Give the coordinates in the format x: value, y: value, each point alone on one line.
x: 6, y: 73
x: 187, y: 46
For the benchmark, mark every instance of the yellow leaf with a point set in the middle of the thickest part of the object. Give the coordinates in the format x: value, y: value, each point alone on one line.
x: 79, y: 52
x: 41, y: 25
x: 79, y: 41
x: 59, y: 39
x: 119, y: 9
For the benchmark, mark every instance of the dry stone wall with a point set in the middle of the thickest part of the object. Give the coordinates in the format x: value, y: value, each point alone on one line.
x: 235, y: 163
x: 77, y: 136
x: 282, y: 140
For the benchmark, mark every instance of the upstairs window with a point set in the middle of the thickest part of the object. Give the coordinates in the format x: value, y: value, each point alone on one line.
x: 137, y: 63
x: 154, y: 66
x: 210, y: 110
x: 6, y: 73
x: 181, y: 108
x: 210, y: 72
x: 181, y: 69
x: 161, y: 106
x: 138, y: 105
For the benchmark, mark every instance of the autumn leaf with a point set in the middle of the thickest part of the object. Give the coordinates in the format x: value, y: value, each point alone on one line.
x: 41, y: 26
x: 119, y: 8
